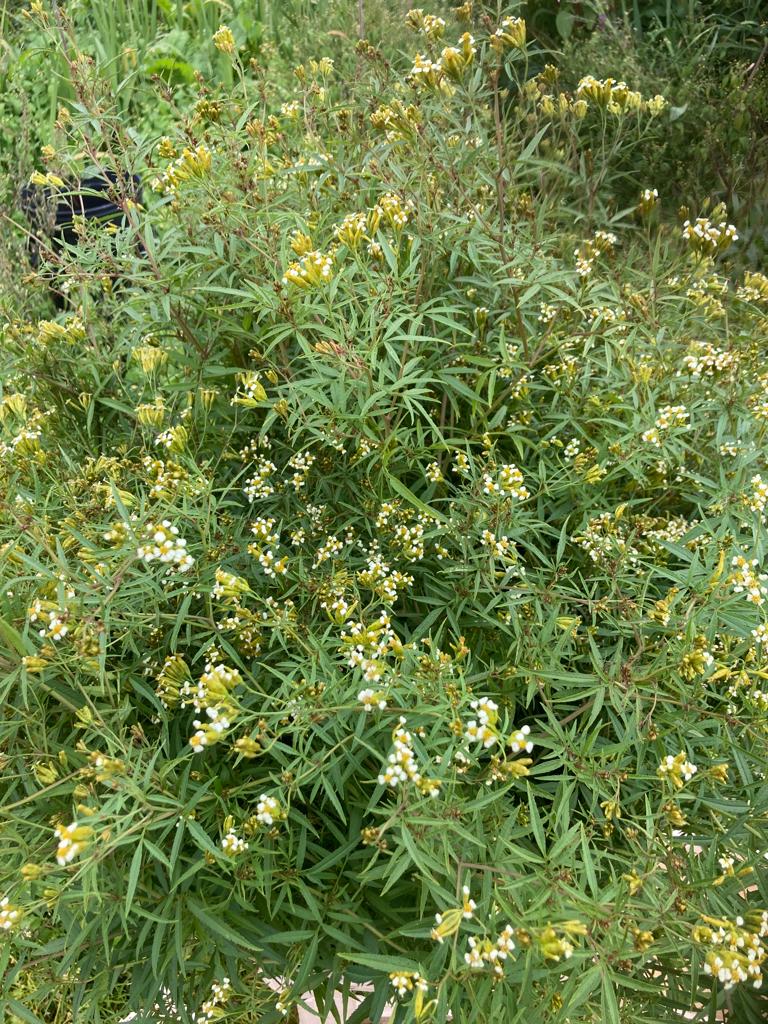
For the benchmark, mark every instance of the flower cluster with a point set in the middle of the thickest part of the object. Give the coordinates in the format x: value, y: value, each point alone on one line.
x: 269, y: 810
x: 313, y: 269
x: 616, y: 97
x: 590, y: 249
x: 212, y: 689
x: 233, y: 845
x: 510, y: 34
x: 73, y: 839
x: 367, y: 647
x: 212, y: 1008
x: 224, y: 40
x: 402, y: 766
x: 371, y: 699
x: 229, y: 587
x: 758, y: 499
x: 385, y: 582
x: 404, y: 982
x: 53, y: 619
x: 735, y: 950
x: 250, y: 392
x: 262, y: 550
x: 162, y: 543
x: 507, y: 483
x: 174, y: 439
x: 259, y: 484
x: 754, y: 288
x: 396, y: 120
x: 490, y: 952
x: 649, y: 199
x: 677, y: 769
x: 209, y: 732
x: 707, y: 239
x: 746, y: 580
x: 706, y: 360
x: 669, y: 416
x: 193, y: 163
x: 9, y: 915
x: 500, y: 547
x: 483, y: 730
x: 429, y: 25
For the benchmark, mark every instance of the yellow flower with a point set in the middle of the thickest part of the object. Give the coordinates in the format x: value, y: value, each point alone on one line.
x: 634, y: 882
x: 313, y: 269
x: 9, y: 915
x: 224, y: 40
x: 247, y: 747
x: 301, y: 243
x: 73, y: 839
x: 511, y: 33
x: 447, y: 923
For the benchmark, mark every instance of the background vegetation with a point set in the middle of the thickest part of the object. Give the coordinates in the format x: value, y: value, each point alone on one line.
x: 383, y: 515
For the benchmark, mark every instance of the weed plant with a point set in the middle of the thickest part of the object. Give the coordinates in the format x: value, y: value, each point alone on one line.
x: 382, y: 544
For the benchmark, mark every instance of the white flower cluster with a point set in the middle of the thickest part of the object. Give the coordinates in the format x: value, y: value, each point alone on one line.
x: 572, y: 449
x: 163, y: 544
x: 672, y: 416
x: 677, y: 769
x: 737, y: 952
x: 9, y: 915
x: 509, y: 481
x: 371, y: 699
x: 705, y: 237
x: 404, y: 982
x: 228, y: 587
x: 758, y: 500
x: 705, y: 360
x: 233, y: 845
x: 547, y: 313
x: 313, y: 268
x: 338, y: 607
x: 214, y: 686
x: 368, y: 646
x: 207, y: 733
x: 269, y: 810
x: 211, y: 1008
x: 518, y: 741
x: 331, y: 546
x: 301, y: 463
x: 382, y: 580
x: 258, y: 485
x: 402, y: 766
x: 498, y: 546
x: 484, y: 952
x: 669, y: 416
x: 746, y: 580
x: 482, y: 730
x: 55, y: 620
x: 73, y: 839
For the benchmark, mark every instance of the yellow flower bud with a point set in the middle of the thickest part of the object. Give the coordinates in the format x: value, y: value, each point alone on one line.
x: 33, y: 664
x: 45, y: 774
x: 447, y: 923
x: 224, y: 40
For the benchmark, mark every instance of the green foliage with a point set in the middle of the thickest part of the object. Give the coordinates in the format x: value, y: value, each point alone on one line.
x: 382, y: 536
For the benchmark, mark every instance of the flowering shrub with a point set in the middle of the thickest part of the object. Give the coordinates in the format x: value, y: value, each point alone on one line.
x: 383, y: 538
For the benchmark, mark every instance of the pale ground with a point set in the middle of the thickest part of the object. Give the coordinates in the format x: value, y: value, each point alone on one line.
x: 307, y: 1017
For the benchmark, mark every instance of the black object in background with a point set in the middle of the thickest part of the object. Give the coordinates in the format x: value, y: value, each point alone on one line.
x: 51, y: 213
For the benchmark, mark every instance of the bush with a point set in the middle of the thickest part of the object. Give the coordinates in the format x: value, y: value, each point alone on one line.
x: 382, y: 538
